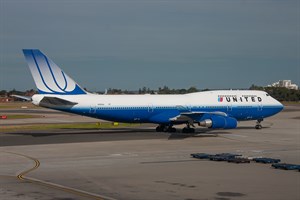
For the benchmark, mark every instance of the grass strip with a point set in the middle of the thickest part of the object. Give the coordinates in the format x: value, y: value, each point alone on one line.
x: 22, y: 116
x: 17, y: 105
x: 86, y: 126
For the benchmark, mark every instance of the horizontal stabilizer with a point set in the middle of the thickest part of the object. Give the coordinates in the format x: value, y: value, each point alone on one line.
x: 56, y: 102
x: 26, y: 98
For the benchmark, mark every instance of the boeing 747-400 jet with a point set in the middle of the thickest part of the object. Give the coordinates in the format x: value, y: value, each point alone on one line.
x: 212, y: 109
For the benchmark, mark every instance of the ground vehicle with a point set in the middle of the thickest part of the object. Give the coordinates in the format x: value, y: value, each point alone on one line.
x: 219, y: 158
x: 215, y: 157
x: 266, y: 160
x: 201, y: 155
x: 239, y: 160
x: 286, y: 166
x: 229, y: 155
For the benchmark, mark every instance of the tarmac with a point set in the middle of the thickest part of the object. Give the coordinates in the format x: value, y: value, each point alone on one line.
x: 138, y: 163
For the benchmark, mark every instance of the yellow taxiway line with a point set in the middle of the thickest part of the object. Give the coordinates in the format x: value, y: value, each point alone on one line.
x: 77, y: 192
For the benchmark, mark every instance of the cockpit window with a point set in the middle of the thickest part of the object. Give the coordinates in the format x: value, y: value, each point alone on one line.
x: 267, y: 95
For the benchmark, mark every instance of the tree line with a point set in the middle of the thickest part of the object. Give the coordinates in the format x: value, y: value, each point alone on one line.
x: 5, y: 93
x: 160, y: 90
x: 279, y: 93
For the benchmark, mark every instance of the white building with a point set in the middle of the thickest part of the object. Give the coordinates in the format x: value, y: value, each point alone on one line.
x: 285, y: 83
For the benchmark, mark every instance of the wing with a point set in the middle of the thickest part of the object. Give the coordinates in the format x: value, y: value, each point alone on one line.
x: 192, y: 117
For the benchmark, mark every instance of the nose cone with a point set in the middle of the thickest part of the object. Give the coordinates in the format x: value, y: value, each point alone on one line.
x: 278, y: 106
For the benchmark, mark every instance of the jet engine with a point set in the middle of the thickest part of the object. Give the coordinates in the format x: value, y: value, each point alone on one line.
x: 221, y: 122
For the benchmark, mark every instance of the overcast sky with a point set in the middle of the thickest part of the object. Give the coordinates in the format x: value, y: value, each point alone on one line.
x: 129, y: 44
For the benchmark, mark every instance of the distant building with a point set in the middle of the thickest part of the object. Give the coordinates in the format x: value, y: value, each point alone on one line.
x: 285, y: 83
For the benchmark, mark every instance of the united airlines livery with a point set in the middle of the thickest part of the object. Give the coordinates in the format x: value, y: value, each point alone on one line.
x: 212, y: 109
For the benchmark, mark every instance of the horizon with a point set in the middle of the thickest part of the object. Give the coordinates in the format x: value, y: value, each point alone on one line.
x: 152, y: 89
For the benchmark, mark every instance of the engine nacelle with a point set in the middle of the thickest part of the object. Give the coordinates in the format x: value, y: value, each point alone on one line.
x: 221, y: 122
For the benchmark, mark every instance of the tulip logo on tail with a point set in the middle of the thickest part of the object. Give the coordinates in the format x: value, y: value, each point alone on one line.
x: 220, y: 99
x: 48, y: 77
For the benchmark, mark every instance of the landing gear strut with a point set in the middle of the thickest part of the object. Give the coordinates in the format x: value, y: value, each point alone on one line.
x: 258, y: 125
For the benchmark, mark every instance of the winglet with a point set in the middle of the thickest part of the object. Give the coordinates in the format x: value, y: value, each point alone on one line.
x: 48, y: 77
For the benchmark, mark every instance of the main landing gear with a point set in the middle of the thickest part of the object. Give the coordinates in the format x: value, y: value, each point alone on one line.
x: 258, y: 125
x: 188, y: 129
x: 160, y: 128
x: 171, y: 129
x: 163, y: 128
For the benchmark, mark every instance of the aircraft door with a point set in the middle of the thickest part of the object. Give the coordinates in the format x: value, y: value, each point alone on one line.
x: 150, y: 108
x: 260, y: 106
x: 229, y: 107
x: 93, y: 109
x: 189, y: 107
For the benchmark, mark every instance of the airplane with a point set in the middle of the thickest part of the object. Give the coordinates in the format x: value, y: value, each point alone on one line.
x: 220, y: 109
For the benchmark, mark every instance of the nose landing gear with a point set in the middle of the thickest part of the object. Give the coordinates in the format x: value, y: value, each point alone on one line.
x: 258, y: 125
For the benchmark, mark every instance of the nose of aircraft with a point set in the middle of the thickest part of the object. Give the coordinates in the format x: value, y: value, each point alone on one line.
x: 279, y: 106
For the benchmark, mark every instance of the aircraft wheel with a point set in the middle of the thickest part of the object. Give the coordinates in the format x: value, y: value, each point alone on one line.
x: 258, y: 126
x: 184, y: 130
x: 169, y: 129
x: 160, y: 128
x: 188, y: 130
x: 172, y: 130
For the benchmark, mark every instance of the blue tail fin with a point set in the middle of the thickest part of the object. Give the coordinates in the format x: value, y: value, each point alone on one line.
x: 48, y: 77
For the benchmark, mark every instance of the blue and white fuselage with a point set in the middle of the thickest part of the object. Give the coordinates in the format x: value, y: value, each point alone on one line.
x: 213, y: 109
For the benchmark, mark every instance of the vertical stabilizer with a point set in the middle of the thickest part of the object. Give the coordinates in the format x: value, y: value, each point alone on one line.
x: 48, y: 77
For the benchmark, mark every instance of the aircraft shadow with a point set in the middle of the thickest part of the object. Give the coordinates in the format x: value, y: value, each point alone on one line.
x: 119, y: 131
x: 198, y: 133
x: 250, y: 127
x: 74, y: 136
x: 78, y: 132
